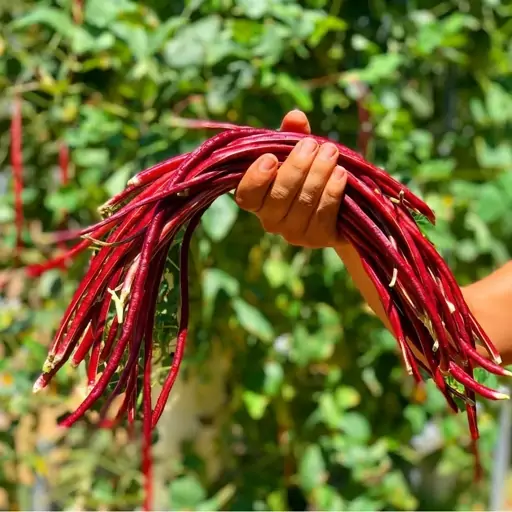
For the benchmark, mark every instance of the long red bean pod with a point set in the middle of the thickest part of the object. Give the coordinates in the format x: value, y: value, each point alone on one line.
x: 110, y: 318
x: 64, y: 180
x: 78, y: 11
x: 17, y: 169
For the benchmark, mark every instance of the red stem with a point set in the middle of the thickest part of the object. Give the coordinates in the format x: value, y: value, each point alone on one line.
x: 17, y: 169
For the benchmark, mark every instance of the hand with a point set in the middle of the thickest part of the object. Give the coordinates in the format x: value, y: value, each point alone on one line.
x: 300, y: 199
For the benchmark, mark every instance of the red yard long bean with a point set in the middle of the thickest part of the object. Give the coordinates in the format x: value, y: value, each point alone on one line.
x: 17, y: 169
x: 110, y: 319
x: 64, y: 180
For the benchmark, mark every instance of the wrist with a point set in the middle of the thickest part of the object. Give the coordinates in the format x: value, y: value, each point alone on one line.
x: 468, y: 297
x: 488, y: 301
x: 340, y: 244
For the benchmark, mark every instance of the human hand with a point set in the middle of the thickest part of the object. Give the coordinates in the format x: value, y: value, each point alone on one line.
x: 301, y: 199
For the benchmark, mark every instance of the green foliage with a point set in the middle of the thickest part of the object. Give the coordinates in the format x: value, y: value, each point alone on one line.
x: 319, y: 412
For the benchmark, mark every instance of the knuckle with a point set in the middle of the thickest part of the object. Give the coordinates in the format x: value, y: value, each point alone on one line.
x: 326, y: 211
x: 333, y: 193
x: 279, y: 193
x: 288, y: 168
x: 307, y: 199
x: 298, y: 165
x: 300, y: 162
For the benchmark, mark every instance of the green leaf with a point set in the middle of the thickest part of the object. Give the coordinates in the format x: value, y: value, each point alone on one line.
x: 329, y: 411
x: 494, y: 157
x: 436, y: 170
x: 421, y: 105
x: 192, y: 44
x: 324, y: 25
x: 101, y: 14
x: 271, y: 45
x: 164, y: 32
x: 91, y: 157
x: 117, y: 181
x: 328, y: 499
x: 483, y: 236
x: 504, y: 183
x: 347, y: 397
x: 54, y: 18
x: 356, y: 426
x: 253, y: 10
x: 219, y: 500
x: 312, y: 470
x: 396, y: 491
x: 48, y: 282
x: 487, y: 379
x: 36, y: 348
x: 332, y: 263
x: 218, y: 220
x: 252, y: 320
x: 255, y: 404
x: 103, y: 491
x: 274, y: 377
x: 61, y: 23
x: 298, y: 92
x: 69, y: 199
x: 277, y: 272
x: 380, y: 67
x: 365, y: 504
x: 6, y: 214
x: 307, y: 347
x: 328, y: 318
x: 464, y: 191
x: 478, y: 111
x: 186, y: 493
x: 215, y: 280
x: 416, y: 416
x: 221, y: 91
x: 491, y: 204
x: 136, y: 37
x: 499, y: 104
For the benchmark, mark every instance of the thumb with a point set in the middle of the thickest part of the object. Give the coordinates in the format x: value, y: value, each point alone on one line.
x: 295, y: 121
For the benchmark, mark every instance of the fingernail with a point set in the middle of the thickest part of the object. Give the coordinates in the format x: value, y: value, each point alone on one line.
x: 267, y: 164
x: 307, y: 146
x: 327, y: 151
x: 339, y: 172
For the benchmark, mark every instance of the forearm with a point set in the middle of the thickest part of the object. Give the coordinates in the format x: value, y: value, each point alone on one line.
x: 355, y: 268
x: 490, y: 299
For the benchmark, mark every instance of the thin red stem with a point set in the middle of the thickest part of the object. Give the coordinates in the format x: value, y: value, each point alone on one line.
x: 17, y: 169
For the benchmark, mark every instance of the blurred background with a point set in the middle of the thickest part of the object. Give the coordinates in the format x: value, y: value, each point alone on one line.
x: 292, y: 396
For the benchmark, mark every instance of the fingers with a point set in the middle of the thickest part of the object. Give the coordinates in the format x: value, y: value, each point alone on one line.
x: 295, y: 121
x: 253, y: 187
x: 288, y: 182
x: 305, y: 204
x: 323, y: 224
x: 301, y: 199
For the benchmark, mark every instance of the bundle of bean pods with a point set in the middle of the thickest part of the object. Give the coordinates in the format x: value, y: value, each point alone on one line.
x: 109, y: 322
